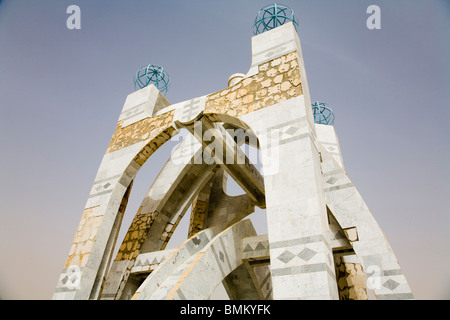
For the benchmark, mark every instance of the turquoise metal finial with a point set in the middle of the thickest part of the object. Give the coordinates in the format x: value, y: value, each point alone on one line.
x: 152, y: 74
x: 272, y: 16
x: 323, y: 114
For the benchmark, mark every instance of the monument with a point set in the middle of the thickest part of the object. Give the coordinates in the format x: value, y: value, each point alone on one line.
x: 322, y: 240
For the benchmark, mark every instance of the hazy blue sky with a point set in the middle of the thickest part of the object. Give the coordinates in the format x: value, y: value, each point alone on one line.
x: 61, y: 92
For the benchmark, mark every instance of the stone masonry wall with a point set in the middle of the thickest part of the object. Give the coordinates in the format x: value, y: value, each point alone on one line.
x: 277, y: 80
x: 351, y: 281
x: 139, y: 131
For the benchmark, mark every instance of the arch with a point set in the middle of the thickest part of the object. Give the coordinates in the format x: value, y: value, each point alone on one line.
x: 172, y: 192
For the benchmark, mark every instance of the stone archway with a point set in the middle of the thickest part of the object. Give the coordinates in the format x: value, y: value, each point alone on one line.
x: 178, y: 183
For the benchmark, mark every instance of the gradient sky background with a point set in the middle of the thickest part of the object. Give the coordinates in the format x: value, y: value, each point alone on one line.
x: 61, y: 92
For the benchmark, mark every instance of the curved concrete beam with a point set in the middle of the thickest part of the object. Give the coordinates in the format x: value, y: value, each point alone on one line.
x: 198, y: 276
x: 174, y: 261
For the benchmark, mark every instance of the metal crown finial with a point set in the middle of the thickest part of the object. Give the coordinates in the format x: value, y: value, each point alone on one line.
x: 272, y: 16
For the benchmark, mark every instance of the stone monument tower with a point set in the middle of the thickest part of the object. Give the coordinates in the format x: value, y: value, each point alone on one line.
x: 322, y: 240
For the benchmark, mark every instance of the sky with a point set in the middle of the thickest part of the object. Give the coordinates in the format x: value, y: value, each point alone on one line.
x: 61, y: 92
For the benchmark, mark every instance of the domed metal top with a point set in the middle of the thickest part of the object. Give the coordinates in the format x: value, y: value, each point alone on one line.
x: 272, y: 16
x: 323, y: 114
x: 152, y: 74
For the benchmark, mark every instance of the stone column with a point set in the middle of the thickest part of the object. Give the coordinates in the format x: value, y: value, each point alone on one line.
x: 301, y: 259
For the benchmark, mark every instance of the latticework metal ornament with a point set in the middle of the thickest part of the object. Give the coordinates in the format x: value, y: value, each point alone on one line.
x: 273, y: 16
x: 323, y: 114
x: 152, y: 74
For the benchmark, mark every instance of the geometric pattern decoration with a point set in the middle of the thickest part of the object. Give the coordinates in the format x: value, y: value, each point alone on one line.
x: 332, y: 180
x: 152, y: 74
x: 391, y: 284
x: 149, y: 261
x: 323, y: 114
x: 286, y: 256
x: 306, y: 254
x: 272, y: 16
